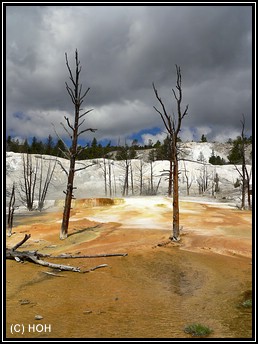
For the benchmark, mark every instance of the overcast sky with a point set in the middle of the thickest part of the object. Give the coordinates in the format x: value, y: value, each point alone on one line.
x: 122, y: 50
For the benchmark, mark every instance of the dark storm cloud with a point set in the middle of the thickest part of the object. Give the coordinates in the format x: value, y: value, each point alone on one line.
x: 123, y: 49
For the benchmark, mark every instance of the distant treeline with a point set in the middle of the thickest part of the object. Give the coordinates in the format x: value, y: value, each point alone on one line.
x: 53, y: 147
x: 95, y: 150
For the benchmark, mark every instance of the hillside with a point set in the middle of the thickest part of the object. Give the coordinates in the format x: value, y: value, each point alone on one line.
x: 90, y: 182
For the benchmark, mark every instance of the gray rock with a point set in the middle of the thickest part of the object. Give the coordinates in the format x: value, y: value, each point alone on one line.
x: 38, y: 317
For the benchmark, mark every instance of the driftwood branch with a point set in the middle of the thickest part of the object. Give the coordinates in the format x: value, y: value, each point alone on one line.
x: 65, y: 256
x: 34, y: 256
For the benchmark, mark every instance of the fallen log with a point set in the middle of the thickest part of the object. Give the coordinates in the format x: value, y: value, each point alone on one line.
x: 64, y: 255
x: 34, y: 257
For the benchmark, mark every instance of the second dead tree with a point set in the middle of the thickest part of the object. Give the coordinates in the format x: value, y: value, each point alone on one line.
x: 173, y: 127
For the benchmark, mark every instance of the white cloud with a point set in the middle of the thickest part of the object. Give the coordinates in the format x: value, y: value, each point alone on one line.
x: 119, y: 120
x: 146, y: 138
x: 226, y: 134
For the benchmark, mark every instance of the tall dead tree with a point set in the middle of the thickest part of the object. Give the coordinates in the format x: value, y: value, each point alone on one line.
x: 74, y: 131
x: 173, y: 127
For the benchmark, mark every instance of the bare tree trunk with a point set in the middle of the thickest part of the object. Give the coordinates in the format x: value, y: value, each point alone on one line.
x: 110, y: 179
x: 105, y: 176
x: 68, y: 201
x: 249, y: 191
x: 126, y: 186
x: 245, y: 187
x: 151, y: 178
x: 175, y: 230
x: 43, y: 190
x: 141, y: 176
x: 11, y: 209
x: 132, y: 183
x: 170, y: 178
x: 157, y: 187
x: 30, y: 175
x: 188, y: 183
x: 114, y: 184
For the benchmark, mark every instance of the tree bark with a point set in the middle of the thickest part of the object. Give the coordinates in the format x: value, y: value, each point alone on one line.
x: 175, y: 230
x: 68, y: 201
x: 11, y: 211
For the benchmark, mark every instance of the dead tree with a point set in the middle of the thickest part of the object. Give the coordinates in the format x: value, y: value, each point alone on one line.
x: 34, y: 182
x: 107, y: 173
x: 245, y: 177
x: 74, y: 131
x: 29, y: 180
x: 203, y: 179
x: 110, y: 177
x: 141, y: 170
x: 125, y: 155
x: 126, y: 178
x: 216, y: 182
x: 188, y: 182
x: 45, y: 182
x: 132, y: 180
x: 173, y: 127
x: 11, y: 209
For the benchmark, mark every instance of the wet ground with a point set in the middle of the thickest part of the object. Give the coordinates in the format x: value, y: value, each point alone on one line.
x: 153, y: 292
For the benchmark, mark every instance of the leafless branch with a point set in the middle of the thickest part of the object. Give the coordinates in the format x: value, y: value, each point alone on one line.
x: 83, y: 168
x: 70, y: 136
x: 85, y: 93
x: 69, y: 124
x: 26, y: 237
x: 62, y: 167
x: 89, y: 129
x: 67, y: 148
x: 69, y: 69
x: 85, y: 113
x: 71, y: 93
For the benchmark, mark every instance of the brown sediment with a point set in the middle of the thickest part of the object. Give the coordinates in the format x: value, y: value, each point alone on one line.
x: 154, y: 291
